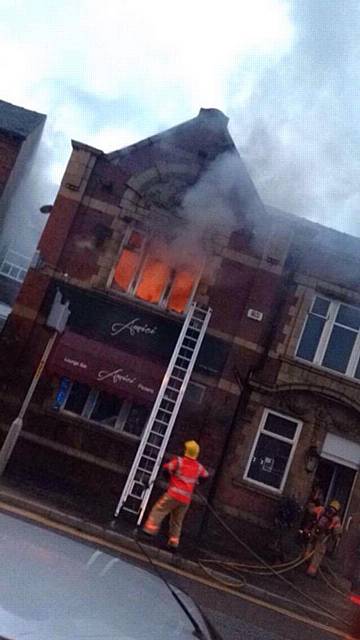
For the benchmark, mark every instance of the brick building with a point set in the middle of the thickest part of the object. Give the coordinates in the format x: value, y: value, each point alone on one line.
x: 20, y: 132
x: 133, y: 237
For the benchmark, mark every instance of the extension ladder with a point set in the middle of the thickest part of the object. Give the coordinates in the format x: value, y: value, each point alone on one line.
x: 147, y: 461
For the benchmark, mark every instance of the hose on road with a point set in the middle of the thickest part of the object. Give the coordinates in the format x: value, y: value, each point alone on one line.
x: 270, y: 569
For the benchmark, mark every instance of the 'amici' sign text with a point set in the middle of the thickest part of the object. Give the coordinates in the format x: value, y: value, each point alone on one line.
x: 133, y: 328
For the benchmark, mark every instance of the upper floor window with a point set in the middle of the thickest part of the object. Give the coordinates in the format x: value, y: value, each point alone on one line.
x: 149, y: 270
x: 331, y: 336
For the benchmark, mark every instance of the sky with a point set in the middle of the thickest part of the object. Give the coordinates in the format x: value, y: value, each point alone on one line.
x: 110, y: 73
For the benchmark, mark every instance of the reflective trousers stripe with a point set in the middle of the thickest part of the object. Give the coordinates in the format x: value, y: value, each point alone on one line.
x: 173, y: 541
x: 150, y: 526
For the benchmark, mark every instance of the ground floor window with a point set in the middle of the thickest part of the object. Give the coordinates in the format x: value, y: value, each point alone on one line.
x: 120, y: 414
x: 273, y: 450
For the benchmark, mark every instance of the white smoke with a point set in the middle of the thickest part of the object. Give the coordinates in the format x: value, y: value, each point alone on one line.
x: 298, y: 128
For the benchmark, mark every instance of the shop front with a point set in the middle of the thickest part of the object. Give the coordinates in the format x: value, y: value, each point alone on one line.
x: 109, y: 364
x: 102, y: 384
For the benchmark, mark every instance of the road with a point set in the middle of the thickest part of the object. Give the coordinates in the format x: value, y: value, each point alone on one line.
x: 249, y: 618
x: 236, y: 617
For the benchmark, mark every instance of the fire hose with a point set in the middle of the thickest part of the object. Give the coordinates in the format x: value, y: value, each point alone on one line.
x: 267, y: 569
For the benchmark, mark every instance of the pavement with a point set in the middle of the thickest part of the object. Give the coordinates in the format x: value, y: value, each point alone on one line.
x: 324, y: 598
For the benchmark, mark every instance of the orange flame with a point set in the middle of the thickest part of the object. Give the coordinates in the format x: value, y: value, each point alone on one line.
x: 158, y: 277
x: 153, y: 280
x: 181, y: 291
x: 125, y: 269
x: 129, y: 261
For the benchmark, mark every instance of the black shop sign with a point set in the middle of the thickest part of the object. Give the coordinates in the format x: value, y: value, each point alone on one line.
x: 133, y: 328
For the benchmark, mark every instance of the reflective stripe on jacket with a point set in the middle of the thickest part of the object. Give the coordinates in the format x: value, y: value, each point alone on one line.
x: 184, y: 474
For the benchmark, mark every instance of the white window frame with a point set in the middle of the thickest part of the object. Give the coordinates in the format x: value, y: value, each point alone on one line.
x: 131, y: 290
x: 89, y: 406
x: 330, y: 323
x: 293, y: 442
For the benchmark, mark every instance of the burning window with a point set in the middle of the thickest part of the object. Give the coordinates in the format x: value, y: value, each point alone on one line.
x: 151, y: 271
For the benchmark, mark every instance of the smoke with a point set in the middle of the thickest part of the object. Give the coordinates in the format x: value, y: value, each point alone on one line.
x: 210, y: 207
x: 210, y: 202
x: 24, y: 222
x: 298, y: 128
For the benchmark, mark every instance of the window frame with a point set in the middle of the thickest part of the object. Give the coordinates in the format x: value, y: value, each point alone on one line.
x: 330, y: 323
x: 293, y: 443
x: 89, y: 406
x: 132, y: 287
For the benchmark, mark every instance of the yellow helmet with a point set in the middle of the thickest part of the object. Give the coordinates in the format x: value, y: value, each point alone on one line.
x: 192, y: 449
x: 335, y: 504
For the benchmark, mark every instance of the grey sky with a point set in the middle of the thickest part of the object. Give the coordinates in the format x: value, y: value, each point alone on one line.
x: 286, y: 73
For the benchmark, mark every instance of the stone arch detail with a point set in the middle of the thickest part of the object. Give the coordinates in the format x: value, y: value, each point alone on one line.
x: 328, y: 393
x: 159, y: 173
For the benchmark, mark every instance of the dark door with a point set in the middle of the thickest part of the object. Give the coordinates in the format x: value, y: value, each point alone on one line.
x: 335, y: 482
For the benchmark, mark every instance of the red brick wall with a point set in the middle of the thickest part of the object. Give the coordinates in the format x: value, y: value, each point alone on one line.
x: 228, y: 296
x: 57, y: 229
x: 81, y: 253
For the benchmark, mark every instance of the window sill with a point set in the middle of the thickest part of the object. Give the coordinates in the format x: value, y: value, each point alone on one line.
x: 274, y: 494
x: 115, y: 295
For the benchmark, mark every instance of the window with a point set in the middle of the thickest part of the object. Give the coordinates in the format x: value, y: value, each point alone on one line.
x: 331, y: 337
x: 150, y: 270
x: 273, y: 450
x: 120, y: 414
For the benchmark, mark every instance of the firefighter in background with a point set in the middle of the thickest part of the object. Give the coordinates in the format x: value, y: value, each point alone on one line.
x: 316, y: 499
x: 324, y: 527
x: 184, y: 472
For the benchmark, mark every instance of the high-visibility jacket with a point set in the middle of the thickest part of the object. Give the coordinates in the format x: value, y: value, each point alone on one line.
x: 325, y: 521
x: 184, y: 474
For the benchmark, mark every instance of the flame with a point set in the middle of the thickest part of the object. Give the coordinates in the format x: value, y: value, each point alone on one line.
x: 153, y: 280
x: 129, y: 261
x: 181, y: 291
x: 125, y: 269
x: 160, y: 274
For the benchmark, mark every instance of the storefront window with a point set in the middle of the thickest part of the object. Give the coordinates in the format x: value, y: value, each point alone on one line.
x: 77, y: 397
x: 121, y: 414
x: 106, y: 409
x: 273, y: 450
x: 136, y: 420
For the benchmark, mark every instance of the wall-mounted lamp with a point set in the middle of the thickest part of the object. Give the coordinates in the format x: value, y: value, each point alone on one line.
x: 311, y: 459
x: 46, y: 208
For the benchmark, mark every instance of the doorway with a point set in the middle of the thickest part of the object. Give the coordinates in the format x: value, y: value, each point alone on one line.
x: 335, y: 482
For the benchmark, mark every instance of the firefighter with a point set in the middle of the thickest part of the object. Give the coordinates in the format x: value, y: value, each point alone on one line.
x: 326, y: 525
x: 184, y: 472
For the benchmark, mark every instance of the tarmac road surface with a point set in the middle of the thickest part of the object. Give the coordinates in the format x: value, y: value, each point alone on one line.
x: 239, y: 619
x: 30, y: 550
